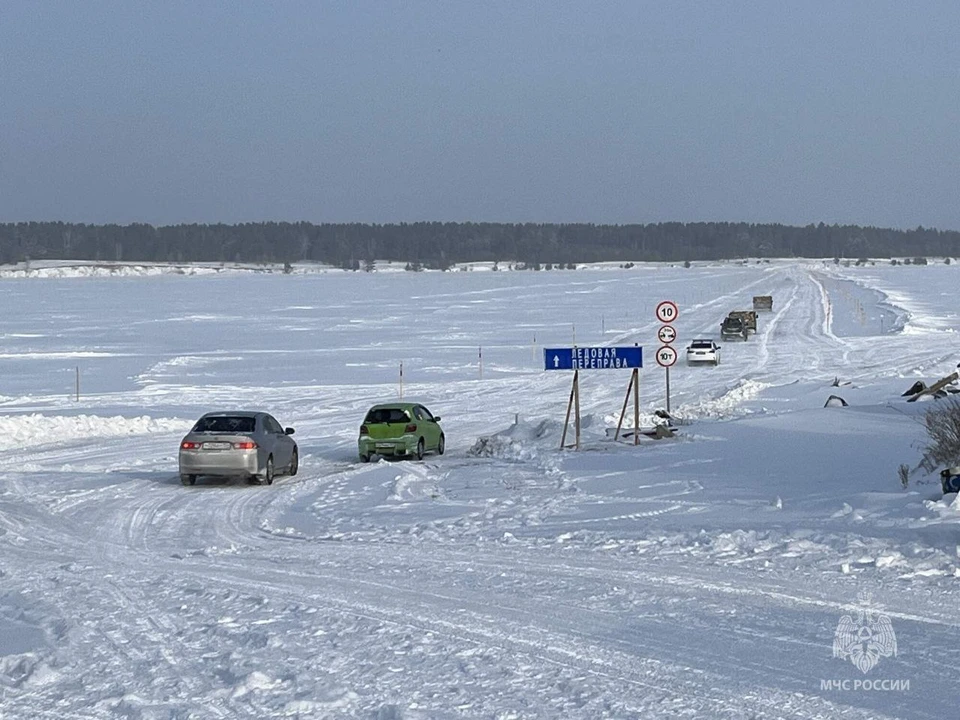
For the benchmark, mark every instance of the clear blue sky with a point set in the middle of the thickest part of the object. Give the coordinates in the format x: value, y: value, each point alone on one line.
x: 595, y: 111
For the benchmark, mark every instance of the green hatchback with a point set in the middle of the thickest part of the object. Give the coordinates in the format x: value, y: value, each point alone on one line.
x: 400, y: 430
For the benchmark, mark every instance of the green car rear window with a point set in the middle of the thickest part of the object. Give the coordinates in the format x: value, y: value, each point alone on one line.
x: 387, y: 415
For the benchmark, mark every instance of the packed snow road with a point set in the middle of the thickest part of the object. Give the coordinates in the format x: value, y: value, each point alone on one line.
x: 699, y: 576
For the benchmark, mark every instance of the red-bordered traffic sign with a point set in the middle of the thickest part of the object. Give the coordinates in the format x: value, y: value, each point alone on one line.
x: 667, y: 311
x: 666, y: 334
x: 666, y: 356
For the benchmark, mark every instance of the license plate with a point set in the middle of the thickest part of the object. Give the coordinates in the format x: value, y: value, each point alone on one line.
x: 216, y: 446
x: 384, y: 446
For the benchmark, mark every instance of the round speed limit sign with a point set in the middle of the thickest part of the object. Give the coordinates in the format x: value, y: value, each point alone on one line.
x: 666, y: 356
x: 666, y: 334
x: 667, y: 311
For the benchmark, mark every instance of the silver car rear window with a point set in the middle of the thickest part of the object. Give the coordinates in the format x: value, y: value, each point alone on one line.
x: 225, y: 424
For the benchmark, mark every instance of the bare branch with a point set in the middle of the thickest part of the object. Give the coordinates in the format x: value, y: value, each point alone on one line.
x: 943, y: 429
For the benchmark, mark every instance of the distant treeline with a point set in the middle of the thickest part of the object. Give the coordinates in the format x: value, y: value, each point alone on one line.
x: 440, y: 245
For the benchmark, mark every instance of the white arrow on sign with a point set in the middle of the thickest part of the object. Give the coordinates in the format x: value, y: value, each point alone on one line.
x: 666, y: 356
x: 556, y: 361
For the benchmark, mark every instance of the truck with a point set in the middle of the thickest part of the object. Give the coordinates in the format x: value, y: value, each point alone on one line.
x: 732, y: 328
x: 763, y: 302
x: 749, y: 318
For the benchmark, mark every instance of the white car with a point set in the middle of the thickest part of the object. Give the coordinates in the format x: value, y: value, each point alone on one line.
x: 703, y: 351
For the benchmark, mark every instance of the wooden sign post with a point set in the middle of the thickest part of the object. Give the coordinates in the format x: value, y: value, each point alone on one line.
x: 635, y: 386
x: 593, y: 358
x: 574, y: 401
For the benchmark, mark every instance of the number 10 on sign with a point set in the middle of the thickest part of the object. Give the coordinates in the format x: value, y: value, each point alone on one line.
x: 667, y: 311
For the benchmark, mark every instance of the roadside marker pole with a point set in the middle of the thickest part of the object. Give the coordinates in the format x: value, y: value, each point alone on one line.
x: 78, y: 383
x: 480, y: 359
x: 401, y: 379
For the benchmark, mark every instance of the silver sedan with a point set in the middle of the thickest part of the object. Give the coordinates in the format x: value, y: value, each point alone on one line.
x: 238, y: 444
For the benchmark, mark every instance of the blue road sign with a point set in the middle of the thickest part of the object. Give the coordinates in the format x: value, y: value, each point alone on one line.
x: 593, y: 358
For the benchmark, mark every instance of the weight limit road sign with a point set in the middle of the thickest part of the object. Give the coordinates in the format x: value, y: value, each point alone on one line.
x: 666, y: 356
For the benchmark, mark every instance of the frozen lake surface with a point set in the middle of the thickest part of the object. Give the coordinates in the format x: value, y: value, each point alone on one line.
x: 703, y: 575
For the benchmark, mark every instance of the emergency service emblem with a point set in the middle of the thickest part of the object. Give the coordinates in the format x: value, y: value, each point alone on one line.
x: 866, y: 638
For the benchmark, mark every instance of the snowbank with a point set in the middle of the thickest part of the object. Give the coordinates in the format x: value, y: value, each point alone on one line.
x: 22, y: 431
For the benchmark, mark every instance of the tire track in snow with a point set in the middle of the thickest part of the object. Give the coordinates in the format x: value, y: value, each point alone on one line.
x: 239, y: 520
x: 569, y: 636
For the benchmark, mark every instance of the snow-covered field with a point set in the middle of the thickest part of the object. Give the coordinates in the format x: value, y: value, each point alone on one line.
x: 700, y: 576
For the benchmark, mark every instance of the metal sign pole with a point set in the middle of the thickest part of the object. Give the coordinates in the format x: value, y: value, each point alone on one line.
x: 668, y: 390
